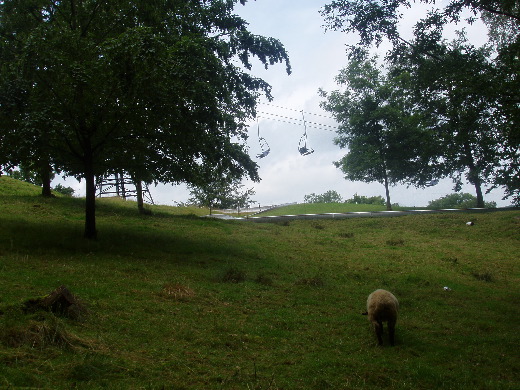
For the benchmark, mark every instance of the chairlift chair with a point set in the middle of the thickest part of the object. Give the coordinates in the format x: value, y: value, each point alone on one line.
x: 264, y: 146
x: 302, y: 145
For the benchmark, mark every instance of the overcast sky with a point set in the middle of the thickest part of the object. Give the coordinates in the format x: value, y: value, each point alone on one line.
x: 316, y: 57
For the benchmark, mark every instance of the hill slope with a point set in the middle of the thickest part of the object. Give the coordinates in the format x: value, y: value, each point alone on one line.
x: 13, y: 187
x: 186, y: 302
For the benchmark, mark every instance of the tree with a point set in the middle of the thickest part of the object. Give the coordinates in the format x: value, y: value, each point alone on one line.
x: 378, y: 126
x: 149, y: 88
x: 456, y: 96
x: 330, y: 196
x: 504, y: 35
x: 67, y: 191
x: 498, y: 98
x: 220, y: 191
x: 362, y: 199
x: 375, y: 20
x: 458, y: 201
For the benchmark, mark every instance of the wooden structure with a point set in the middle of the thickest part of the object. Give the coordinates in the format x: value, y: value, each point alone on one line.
x: 122, y: 186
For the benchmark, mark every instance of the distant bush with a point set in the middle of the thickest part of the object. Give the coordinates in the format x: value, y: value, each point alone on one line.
x: 361, y: 199
x: 458, y: 201
x: 328, y: 197
x: 68, y: 191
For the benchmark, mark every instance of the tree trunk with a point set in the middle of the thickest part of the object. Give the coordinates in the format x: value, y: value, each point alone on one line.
x: 90, y: 207
x: 388, y: 203
x: 139, y: 190
x: 478, y: 190
x: 474, y: 175
x: 45, y: 176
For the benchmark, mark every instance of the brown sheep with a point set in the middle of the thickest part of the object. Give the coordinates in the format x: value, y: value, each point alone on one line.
x: 382, y: 306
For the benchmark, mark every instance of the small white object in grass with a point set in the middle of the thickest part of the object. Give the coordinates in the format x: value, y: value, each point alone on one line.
x: 446, y: 288
x: 470, y: 223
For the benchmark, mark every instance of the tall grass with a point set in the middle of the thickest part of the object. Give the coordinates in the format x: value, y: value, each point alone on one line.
x: 181, y: 302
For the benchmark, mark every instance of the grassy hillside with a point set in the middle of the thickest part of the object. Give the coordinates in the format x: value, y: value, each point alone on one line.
x: 318, y: 208
x: 181, y: 302
x: 12, y: 187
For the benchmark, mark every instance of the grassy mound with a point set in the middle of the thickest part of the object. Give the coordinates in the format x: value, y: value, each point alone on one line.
x: 13, y: 187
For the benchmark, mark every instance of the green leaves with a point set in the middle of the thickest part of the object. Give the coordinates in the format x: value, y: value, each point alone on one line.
x: 150, y: 88
x: 467, y: 97
x: 379, y: 127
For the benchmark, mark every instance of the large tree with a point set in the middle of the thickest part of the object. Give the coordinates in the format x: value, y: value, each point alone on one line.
x: 159, y: 89
x: 454, y: 89
x: 220, y: 190
x: 489, y: 110
x: 381, y: 130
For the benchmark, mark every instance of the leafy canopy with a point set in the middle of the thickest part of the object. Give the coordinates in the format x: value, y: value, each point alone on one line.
x: 379, y: 127
x: 475, y: 90
x: 158, y: 89
x: 330, y: 196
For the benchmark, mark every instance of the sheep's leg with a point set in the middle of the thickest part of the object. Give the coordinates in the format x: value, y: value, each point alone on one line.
x: 391, y: 332
x: 378, y: 327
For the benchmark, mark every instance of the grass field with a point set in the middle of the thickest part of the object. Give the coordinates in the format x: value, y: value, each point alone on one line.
x: 181, y: 302
x: 317, y: 208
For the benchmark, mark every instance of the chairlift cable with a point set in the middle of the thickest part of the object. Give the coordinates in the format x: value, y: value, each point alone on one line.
x: 304, y: 125
x: 294, y: 123
x: 315, y: 125
x: 295, y: 110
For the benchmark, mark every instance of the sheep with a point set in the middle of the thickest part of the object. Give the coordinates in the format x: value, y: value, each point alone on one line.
x: 382, y: 306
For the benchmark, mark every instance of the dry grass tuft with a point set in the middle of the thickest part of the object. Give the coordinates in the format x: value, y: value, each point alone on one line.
x: 395, y: 242
x: 264, y: 280
x: 316, y: 281
x: 39, y: 334
x: 177, y: 292
x: 234, y: 275
x: 484, y: 277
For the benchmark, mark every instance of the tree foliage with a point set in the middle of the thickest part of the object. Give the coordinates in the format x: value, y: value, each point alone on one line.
x: 458, y: 201
x: 330, y: 196
x: 67, y: 191
x: 362, y: 199
x: 482, y: 82
x: 221, y: 192
x: 379, y: 127
x: 156, y: 89
x: 457, y: 97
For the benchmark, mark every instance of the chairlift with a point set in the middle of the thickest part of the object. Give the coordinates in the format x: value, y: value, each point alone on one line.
x: 264, y: 146
x: 431, y: 183
x: 302, y: 145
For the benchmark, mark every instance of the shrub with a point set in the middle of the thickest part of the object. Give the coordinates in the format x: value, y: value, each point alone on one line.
x: 330, y: 196
x: 458, y: 201
x: 68, y: 191
x: 361, y: 199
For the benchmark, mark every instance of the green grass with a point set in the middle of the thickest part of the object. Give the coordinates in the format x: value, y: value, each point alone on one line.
x: 319, y: 208
x: 182, y: 302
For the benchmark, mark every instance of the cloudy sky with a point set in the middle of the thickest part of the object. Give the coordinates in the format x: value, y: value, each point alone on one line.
x: 316, y: 57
